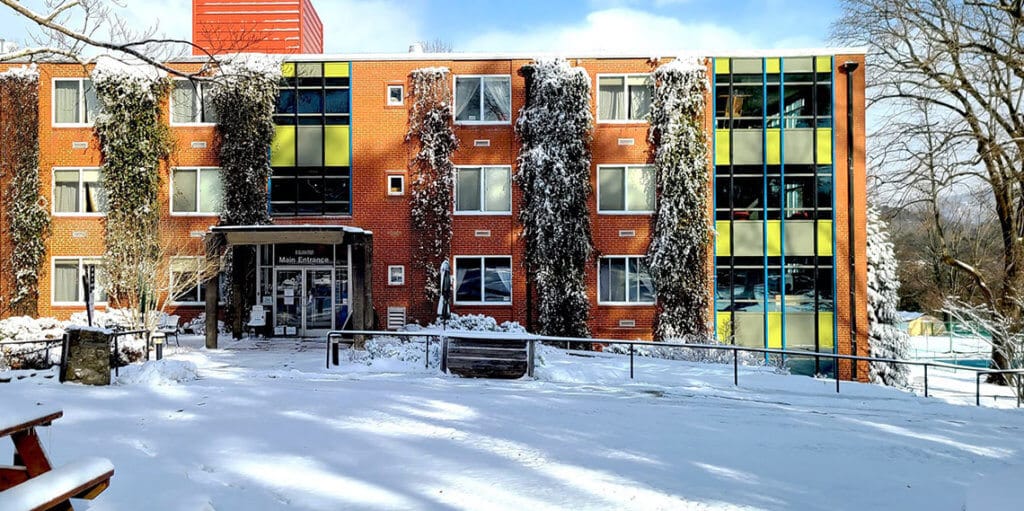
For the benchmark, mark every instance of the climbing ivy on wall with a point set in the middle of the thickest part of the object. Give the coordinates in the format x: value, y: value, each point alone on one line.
x: 681, y: 232
x: 431, y: 171
x: 244, y: 94
x: 554, y: 173
x: 134, y: 140
x: 27, y: 220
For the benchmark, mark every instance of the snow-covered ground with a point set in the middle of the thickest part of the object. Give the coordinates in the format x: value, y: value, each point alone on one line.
x: 261, y: 425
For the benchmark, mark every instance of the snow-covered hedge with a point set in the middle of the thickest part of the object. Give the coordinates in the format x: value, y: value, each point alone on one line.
x: 33, y: 356
x: 478, y: 323
x: 704, y: 356
x: 885, y: 338
x: 681, y: 234
x: 432, y: 172
x: 27, y: 216
x: 554, y: 129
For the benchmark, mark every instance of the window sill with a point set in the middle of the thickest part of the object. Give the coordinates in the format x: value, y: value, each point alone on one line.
x: 193, y: 124
x: 620, y: 123
x: 625, y: 304
x: 72, y: 125
x: 482, y: 123
x: 194, y: 215
x: 625, y: 213
x: 79, y: 215
x: 482, y: 213
x: 76, y: 304
x: 484, y: 304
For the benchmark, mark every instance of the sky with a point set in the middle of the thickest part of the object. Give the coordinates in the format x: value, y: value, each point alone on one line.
x: 359, y: 26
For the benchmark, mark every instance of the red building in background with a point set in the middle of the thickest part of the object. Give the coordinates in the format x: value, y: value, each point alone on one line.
x: 256, y: 26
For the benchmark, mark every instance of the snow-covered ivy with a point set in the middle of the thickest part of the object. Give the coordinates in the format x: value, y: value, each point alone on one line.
x: 244, y: 95
x: 26, y: 212
x: 134, y: 139
x: 885, y: 338
x: 554, y: 129
x: 681, y: 232
x: 431, y: 170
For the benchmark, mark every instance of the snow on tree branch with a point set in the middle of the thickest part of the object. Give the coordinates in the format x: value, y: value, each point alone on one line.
x: 678, y: 253
x: 885, y: 338
x: 554, y: 173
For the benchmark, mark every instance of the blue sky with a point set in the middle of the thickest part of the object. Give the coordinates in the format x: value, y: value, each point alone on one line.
x: 530, y: 25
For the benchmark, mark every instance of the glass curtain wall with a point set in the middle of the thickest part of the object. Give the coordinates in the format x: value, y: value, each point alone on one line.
x: 774, y: 267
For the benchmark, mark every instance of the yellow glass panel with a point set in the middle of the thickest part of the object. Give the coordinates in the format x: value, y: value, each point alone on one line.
x: 336, y: 146
x: 724, y: 322
x: 336, y: 69
x: 774, y: 238
x: 282, y: 149
x: 722, y: 147
x: 775, y: 330
x: 772, y: 65
x: 824, y: 146
x: 824, y: 64
x: 721, y: 66
x: 722, y: 241
x: 774, y: 139
x: 825, y: 334
x: 288, y: 69
x: 825, y: 238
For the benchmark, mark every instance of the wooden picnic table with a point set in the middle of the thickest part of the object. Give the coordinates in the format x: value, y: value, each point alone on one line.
x: 31, y: 482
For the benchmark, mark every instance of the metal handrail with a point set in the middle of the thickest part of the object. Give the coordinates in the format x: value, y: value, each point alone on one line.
x: 533, y: 338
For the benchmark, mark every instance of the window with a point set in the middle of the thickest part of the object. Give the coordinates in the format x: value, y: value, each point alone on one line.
x: 310, y: 191
x: 396, y: 275
x: 623, y: 97
x: 483, y: 99
x: 627, y: 189
x: 67, y: 280
x: 191, y: 104
x: 74, y: 101
x: 396, y: 95
x: 195, y: 190
x: 483, y: 280
x: 78, y: 191
x: 396, y: 185
x: 483, y: 190
x: 624, y: 279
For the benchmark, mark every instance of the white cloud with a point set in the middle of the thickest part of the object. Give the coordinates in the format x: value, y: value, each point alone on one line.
x: 617, y: 29
x: 352, y: 26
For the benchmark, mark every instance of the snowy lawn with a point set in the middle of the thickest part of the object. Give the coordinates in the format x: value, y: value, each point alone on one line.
x: 265, y: 426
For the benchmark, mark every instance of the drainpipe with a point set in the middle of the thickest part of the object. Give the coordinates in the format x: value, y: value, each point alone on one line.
x: 850, y: 67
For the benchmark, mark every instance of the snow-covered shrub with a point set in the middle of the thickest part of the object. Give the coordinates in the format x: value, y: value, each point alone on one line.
x: 885, y: 338
x: 554, y: 128
x: 432, y: 172
x: 244, y: 95
x: 402, y: 350
x: 133, y: 139
x: 704, y: 356
x: 198, y: 325
x: 25, y: 209
x: 29, y: 356
x: 478, y: 323
x: 678, y: 253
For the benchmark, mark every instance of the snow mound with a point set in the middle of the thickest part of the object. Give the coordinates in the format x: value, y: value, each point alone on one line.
x: 159, y: 372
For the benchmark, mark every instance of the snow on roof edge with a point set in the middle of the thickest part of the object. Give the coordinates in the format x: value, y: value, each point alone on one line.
x: 791, y: 52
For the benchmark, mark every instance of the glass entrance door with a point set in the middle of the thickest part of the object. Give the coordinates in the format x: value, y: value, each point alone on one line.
x: 318, y: 302
x: 287, y: 298
x: 303, y: 302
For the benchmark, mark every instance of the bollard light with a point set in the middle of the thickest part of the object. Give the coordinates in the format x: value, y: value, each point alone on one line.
x: 158, y: 341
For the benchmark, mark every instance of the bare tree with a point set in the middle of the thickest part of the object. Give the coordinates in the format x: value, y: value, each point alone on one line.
x: 437, y: 45
x: 959, y: 61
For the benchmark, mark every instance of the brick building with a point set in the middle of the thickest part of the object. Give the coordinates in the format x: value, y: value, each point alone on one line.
x: 779, y: 132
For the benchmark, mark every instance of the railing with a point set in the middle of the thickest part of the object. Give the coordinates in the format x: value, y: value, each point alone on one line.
x: 117, y: 334
x: 48, y: 345
x: 531, y: 339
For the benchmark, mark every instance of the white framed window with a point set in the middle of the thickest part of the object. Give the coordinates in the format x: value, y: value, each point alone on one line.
x: 624, y: 280
x: 624, y: 98
x: 78, y: 191
x: 483, y: 280
x: 66, y: 280
x: 396, y: 275
x: 196, y: 191
x: 74, y: 102
x: 184, y: 284
x: 396, y: 95
x: 483, y: 190
x: 483, y: 99
x: 396, y: 184
x: 625, y: 189
x: 191, y: 103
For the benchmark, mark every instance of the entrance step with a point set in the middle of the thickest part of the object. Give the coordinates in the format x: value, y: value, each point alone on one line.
x: 481, y: 358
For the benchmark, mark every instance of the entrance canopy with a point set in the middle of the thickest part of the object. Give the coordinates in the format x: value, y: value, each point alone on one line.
x: 310, y: 278
x: 305, y: 233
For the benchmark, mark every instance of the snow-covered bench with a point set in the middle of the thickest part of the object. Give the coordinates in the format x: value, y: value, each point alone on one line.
x: 168, y: 326
x: 30, y: 483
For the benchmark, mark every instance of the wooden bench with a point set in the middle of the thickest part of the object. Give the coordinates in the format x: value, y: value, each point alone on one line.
x: 31, y: 483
